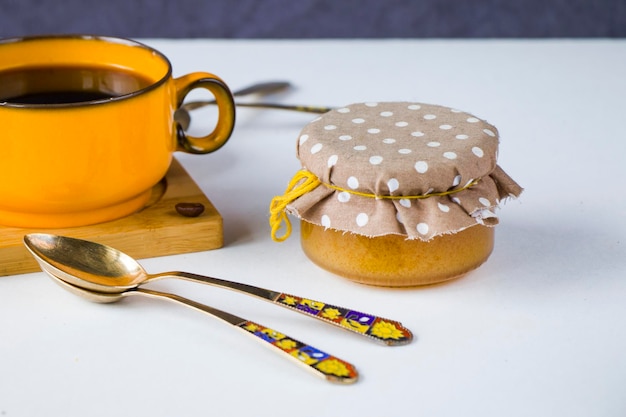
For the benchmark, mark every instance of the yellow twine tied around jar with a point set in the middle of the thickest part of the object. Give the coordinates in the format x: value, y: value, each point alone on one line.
x: 305, y: 181
x: 301, y: 183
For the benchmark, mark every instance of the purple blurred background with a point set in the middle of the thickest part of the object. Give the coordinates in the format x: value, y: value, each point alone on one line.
x: 317, y: 18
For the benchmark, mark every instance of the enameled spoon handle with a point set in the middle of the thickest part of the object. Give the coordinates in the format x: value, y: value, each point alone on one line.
x: 320, y: 363
x: 382, y: 330
x: 379, y: 329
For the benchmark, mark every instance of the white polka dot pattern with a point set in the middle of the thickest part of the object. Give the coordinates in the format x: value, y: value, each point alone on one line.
x: 402, y: 150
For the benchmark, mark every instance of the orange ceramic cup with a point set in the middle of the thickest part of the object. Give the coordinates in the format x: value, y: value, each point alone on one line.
x: 94, y: 156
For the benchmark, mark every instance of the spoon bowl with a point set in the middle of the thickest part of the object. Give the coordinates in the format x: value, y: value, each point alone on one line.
x: 93, y: 296
x: 85, y: 264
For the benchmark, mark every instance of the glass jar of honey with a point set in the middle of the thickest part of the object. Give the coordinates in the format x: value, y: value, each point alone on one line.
x: 396, y: 193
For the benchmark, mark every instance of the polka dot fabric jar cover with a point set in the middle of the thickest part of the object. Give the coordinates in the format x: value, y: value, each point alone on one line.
x: 401, y: 168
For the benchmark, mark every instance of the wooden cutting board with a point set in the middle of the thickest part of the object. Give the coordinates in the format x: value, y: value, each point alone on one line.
x: 156, y: 230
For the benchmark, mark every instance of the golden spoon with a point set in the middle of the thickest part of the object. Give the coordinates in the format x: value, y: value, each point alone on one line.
x: 320, y: 363
x: 100, y: 268
x: 183, y: 117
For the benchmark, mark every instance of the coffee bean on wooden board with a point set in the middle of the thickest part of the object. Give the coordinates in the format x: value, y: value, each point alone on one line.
x: 189, y: 209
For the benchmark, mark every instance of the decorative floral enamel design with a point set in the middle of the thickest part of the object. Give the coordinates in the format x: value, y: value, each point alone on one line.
x: 327, y: 364
x: 386, y: 331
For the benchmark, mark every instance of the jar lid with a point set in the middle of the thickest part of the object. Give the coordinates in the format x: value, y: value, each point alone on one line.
x: 411, y: 169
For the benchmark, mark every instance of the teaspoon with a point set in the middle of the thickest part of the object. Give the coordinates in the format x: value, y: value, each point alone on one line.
x: 183, y: 117
x: 100, y: 268
x: 320, y: 363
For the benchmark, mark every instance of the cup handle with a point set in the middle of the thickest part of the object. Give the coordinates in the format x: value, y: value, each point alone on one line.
x: 226, y: 112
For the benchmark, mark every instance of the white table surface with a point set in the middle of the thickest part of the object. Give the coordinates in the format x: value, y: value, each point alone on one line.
x: 539, y: 330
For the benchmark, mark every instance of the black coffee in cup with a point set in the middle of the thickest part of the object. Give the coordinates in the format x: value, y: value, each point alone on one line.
x: 67, y: 84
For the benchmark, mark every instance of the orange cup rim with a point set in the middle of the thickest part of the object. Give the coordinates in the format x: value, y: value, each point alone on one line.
x: 104, y: 38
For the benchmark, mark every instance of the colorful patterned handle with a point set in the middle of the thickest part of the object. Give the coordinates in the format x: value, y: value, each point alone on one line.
x: 382, y: 330
x: 322, y: 364
x: 388, y: 332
